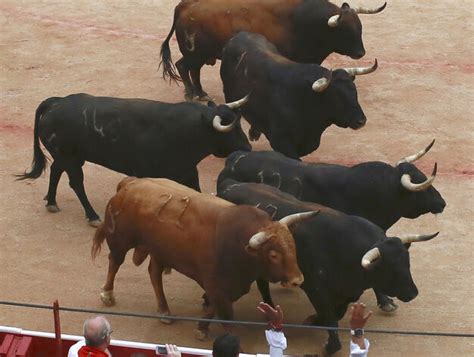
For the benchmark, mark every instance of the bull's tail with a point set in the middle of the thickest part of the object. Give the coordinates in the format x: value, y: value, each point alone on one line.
x: 99, y: 237
x: 39, y: 160
x: 169, y: 69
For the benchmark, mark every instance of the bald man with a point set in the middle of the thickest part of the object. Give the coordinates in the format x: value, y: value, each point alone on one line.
x: 96, y: 339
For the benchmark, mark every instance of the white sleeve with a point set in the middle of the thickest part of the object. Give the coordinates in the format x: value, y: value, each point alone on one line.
x: 277, y: 342
x: 356, y: 351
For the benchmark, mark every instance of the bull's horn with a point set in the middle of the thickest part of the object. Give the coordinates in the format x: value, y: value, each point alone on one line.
x: 416, y: 156
x: 257, y: 239
x: 367, y: 10
x: 217, y: 124
x: 412, y: 238
x: 334, y: 20
x: 321, y: 84
x: 415, y: 187
x: 297, y: 217
x: 356, y: 71
x: 369, y: 257
x: 238, y: 103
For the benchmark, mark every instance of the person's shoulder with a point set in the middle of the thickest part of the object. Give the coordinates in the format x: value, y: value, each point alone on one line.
x: 74, y: 349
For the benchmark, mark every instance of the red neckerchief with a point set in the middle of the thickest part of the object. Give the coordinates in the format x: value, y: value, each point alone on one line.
x: 87, y: 351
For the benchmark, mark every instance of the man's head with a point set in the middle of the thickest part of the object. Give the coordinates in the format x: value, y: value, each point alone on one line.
x: 226, y: 346
x: 97, y: 332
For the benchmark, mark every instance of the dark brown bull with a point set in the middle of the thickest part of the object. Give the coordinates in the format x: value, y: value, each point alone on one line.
x: 302, y: 30
x: 223, y: 247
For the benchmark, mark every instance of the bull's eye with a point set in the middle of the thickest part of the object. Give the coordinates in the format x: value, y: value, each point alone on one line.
x: 274, y: 256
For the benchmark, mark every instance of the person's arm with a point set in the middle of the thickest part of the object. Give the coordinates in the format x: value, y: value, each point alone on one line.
x: 359, y: 345
x: 275, y: 337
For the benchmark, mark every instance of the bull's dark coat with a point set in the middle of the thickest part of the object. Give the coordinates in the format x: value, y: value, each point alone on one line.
x: 329, y: 250
x: 137, y: 137
x: 371, y: 189
x: 282, y: 103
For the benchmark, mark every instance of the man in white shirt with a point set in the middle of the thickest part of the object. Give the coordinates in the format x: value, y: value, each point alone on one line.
x: 96, y: 338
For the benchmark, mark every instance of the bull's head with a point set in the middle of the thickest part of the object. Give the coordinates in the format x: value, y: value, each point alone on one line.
x: 341, y: 95
x: 275, y: 248
x: 347, y: 30
x: 418, y: 194
x: 229, y: 136
x: 388, y: 264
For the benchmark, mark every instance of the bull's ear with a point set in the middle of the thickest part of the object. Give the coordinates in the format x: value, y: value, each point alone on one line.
x: 345, y: 6
x: 251, y: 250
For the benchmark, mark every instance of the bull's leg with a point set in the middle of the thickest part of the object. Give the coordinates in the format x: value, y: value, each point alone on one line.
x: 76, y: 181
x: 198, y: 91
x: 326, y: 317
x: 183, y: 70
x: 385, y: 303
x: 107, y: 295
x: 264, y: 288
x: 54, y: 177
x: 155, y: 270
x: 203, y: 326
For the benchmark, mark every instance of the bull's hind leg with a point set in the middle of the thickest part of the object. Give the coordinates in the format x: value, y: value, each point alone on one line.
x: 385, y: 303
x: 107, y: 295
x: 76, y: 181
x: 183, y: 70
x: 54, y: 177
x: 198, y: 91
x: 155, y: 270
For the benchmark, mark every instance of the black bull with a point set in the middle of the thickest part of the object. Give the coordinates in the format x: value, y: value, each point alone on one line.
x: 372, y: 190
x: 136, y: 137
x: 340, y: 255
x: 291, y: 103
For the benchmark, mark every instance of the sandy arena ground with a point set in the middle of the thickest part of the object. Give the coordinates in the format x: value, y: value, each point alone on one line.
x: 422, y: 90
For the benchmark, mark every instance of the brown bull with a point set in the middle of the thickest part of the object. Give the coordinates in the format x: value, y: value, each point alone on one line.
x: 223, y: 247
x: 302, y: 30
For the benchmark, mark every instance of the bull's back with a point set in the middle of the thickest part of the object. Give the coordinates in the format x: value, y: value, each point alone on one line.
x: 221, y: 19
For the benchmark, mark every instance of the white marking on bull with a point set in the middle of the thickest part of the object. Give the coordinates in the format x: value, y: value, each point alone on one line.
x: 189, y: 40
x: 300, y: 187
x: 51, y: 138
x: 277, y: 174
x: 186, y: 200
x: 260, y: 175
x: 84, y: 113
x: 159, y: 209
x: 111, y: 226
x: 240, y: 60
x: 275, y: 209
x: 236, y: 161
x: 100, y: 130
x: 245, y: 71
x: 231, y: 187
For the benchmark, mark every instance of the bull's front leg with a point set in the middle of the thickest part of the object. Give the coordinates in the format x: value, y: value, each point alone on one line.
x: 385, y: 303
x: 216, y: 302
x: 155, y: 269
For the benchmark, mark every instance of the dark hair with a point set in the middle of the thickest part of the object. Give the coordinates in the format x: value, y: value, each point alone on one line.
x: 226, y: 346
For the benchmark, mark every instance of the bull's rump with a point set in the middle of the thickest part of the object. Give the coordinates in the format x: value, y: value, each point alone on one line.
x: 125, y: 135
x: 173, y: 222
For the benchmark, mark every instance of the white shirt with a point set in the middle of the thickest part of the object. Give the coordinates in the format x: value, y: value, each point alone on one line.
x: 356, y: 351
x: 277, y: 342
x: 74, y: 349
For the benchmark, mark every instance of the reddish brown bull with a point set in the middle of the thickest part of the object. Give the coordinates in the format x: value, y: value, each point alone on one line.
x: 302, y: 30
x: 223, y: 247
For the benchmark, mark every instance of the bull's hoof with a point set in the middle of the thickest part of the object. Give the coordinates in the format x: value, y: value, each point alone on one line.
x: 164, y: 320
x: 188, y: 97
x: 204, y: 97
x: 388, y: 307
x: 167, y: 270
x: 108, y: 298
x: 332, y: 347
x: 94, y: 222
x: 201, y: 335
x: 52, y: 208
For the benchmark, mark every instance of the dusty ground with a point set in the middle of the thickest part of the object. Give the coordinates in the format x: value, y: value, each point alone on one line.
x: 423, y: 90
